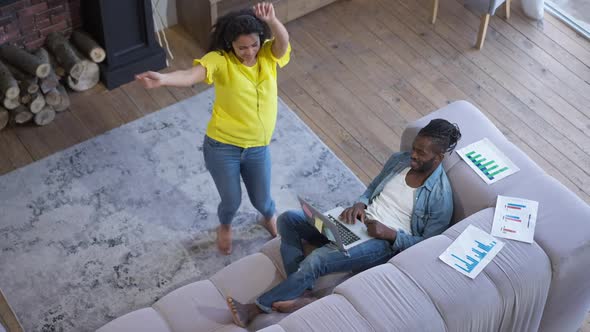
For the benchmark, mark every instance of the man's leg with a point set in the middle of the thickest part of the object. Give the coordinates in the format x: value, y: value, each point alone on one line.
x: 322, y: 261
x: 293, y: 227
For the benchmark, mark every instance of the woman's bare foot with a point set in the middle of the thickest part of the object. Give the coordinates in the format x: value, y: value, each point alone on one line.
x: 292, y: 305
x: 242, y: 314
x: 270, y: 225
x: 224, y: 239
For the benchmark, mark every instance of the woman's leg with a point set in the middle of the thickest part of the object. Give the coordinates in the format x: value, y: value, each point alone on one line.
x: 223, y: 162
x: 255, y: 170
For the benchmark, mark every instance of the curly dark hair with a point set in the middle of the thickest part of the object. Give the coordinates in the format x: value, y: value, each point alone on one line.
x: 443, y: 134
x: 234, y: 24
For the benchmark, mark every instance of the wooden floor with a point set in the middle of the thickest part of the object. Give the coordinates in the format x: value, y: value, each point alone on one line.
x: 361, y: 69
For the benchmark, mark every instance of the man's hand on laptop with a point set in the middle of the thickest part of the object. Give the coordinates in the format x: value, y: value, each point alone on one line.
x: 380, y: 231
x: 351, y: 214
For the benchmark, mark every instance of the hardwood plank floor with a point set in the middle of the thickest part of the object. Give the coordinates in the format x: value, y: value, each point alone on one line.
x: 362, y: 69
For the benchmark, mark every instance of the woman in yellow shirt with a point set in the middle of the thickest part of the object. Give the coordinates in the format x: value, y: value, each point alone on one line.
x: 242, y: 64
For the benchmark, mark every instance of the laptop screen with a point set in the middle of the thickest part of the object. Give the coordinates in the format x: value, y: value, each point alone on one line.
x: 317, y: 222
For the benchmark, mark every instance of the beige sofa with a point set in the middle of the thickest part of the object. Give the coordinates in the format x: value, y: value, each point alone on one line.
x: 527, y: 287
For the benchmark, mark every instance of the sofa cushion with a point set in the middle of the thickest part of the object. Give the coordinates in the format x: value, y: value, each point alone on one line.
x: 331, y: 313
x: 145, y: 320
x: 199, y: 304
x: 521, y: 273
x: 247, y: 278
x: 457, y: 298
x: 391, y: 301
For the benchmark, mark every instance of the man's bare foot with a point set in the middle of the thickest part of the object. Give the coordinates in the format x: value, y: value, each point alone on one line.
x: 270, y: 225
x: 292, y: 305
x: 224, y: 239
x: 242, y: 314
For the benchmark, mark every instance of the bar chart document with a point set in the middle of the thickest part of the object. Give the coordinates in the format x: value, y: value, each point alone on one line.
x: 487, y: 161
x: 515, y: 218
x: 471, y: 251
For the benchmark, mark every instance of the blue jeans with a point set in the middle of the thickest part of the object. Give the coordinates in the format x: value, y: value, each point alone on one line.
x: 226, y: 163
x: 302, y: 272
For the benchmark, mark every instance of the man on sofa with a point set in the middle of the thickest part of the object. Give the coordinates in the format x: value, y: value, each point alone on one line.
x: 409, y: 201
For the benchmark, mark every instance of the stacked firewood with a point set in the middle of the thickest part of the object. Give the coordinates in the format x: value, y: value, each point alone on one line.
x: 32, y: 83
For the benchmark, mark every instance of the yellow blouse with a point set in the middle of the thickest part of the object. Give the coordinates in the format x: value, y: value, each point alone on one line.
x: 245, y: 107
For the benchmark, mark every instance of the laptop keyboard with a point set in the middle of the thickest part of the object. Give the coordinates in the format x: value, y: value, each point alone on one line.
x: 346, y: 234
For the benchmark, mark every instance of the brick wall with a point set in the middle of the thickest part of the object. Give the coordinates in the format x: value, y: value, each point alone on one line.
x: 27, y: 22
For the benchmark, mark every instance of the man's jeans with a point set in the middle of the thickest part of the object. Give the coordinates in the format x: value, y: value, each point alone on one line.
x: 303, y: 271
x: 226, y: 163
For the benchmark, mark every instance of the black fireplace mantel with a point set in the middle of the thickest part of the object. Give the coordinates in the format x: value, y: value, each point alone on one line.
x: 6, y: 2
x: 126, y: 30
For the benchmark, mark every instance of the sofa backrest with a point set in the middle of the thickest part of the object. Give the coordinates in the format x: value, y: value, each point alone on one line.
x: 563, y: 221
x: 471, y: 193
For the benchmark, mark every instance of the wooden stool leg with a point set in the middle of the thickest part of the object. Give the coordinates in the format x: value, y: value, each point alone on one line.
x: 507, y: 7
x: 434, y: 10
x: 483, y: 29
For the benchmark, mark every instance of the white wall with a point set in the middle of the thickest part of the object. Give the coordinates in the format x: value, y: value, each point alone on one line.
x: 167, y: 9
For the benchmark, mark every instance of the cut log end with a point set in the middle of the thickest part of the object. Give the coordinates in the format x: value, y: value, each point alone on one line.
x: 77, y: 71
x: 43, y: 70
x: 26, y: 98
x: 21, y: 115
x: 12, y: 92
x: 88, y: 78
x: 64, y: 99
x: 33, y: 89
x: 97, y: 55
x: 88, y: 46
x: 45, y: 116
x: 49, y: 83
x: 53, y: 97
x: 37, y: 104
x: 11, y: 104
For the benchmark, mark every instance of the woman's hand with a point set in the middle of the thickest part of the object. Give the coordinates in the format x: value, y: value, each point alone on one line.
x: 150, y: 79
x: 265, y: 11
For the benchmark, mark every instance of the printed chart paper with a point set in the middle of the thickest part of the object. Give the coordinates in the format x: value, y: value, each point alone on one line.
x: 471, y: 251
x: 487, y: 161
x: 515, y: 219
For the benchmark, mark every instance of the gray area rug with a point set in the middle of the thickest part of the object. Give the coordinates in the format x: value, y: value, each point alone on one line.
x: 115, y: 223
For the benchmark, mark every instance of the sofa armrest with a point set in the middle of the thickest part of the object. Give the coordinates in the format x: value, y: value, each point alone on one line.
x: 247, y: 278
x: 196, y: 307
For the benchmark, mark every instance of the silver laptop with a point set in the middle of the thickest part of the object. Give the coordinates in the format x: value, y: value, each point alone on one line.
x: 343, y: 235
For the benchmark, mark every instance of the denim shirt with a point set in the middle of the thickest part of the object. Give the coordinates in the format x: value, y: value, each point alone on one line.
x: 433, y: 205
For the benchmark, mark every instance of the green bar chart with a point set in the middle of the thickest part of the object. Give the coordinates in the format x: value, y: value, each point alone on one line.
x: 487, y: 161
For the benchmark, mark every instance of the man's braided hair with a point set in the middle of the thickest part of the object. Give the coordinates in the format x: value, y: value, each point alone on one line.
x: 443, y: 134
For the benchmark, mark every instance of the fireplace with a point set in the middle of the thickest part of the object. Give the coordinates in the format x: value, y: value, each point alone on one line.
x: 126, y: 30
